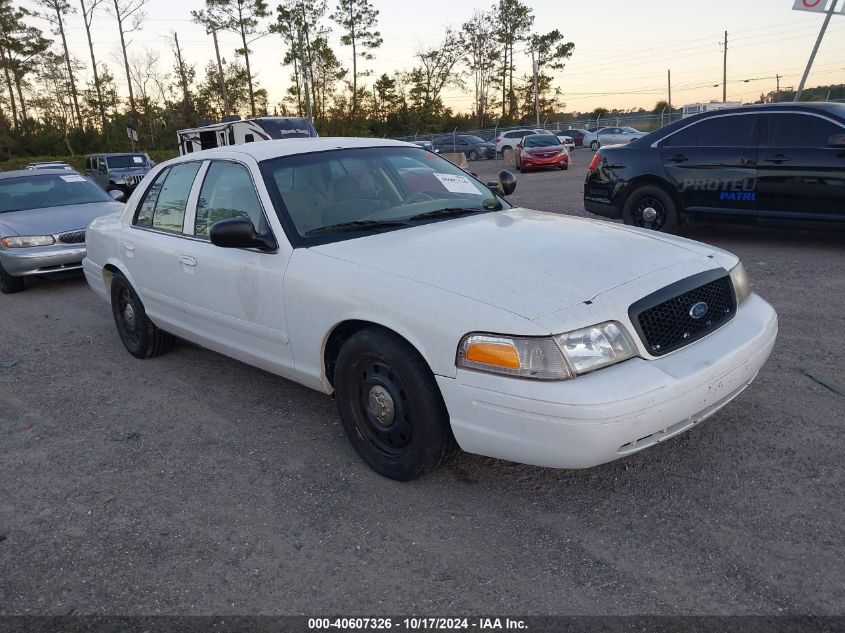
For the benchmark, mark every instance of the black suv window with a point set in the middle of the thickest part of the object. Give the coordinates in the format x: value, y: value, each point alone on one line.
x: 800, y: 130
x: 721, y: 131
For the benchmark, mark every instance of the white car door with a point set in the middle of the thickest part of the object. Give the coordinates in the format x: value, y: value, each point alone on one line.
x: 233, y: 297
x: 150, y: 246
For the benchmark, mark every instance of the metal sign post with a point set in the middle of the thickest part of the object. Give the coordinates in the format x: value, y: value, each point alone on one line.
x: 815, y: 6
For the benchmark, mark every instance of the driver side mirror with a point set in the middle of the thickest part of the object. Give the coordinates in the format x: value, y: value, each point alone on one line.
x: 117, y: 195
x: 519, y: 146
x: 239, y: 233
x: 506, y: 184
x: 101, y: 167
x: 837, y: 140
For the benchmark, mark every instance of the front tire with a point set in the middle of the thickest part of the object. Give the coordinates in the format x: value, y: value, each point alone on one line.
x: 650, y: 207
x: 139, y: 334
x: 9, y: 284
x: 473, y: 155
x: 594, y: 145
x: 390, y: 406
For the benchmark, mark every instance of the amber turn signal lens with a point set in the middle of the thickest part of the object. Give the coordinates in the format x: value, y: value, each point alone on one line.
x: 495, y: 354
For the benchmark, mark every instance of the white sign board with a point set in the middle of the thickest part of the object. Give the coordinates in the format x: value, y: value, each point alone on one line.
x: 817, y: 6
x: 133, y: 134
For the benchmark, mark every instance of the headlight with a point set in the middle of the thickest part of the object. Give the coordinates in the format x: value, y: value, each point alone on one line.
x: 25, y: 241
x: 538, y: 358
x: 597, y: 346
x: 547, y: 358
x: 741, y: 283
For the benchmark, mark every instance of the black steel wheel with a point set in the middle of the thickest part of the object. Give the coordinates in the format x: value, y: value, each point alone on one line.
x: 9, y: 284
x: 391, y: 407
x: 139, y: 334
x: 650, y: 207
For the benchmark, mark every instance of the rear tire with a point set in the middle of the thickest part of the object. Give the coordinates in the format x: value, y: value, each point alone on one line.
x: 473, y: 155
x: 651, y: 207
x: 594, y: 145
x: 139, y: 334
x: 390, y: 406
x: 9, y: 284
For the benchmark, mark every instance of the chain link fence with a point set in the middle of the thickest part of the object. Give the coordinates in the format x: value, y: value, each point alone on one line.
x: 644, y: 122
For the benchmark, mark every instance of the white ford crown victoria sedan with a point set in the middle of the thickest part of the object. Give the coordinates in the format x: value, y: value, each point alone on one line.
x: 437, y: 314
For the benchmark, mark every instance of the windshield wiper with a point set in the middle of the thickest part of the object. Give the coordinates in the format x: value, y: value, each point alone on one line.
x: 451, y: 212
x: 356, y: 225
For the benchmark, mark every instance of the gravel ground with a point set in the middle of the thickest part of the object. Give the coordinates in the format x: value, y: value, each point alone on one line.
x: 194, y: 484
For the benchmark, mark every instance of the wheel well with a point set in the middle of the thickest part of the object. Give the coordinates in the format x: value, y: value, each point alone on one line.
x: 655, y: 182
x: 108, y: 272
x: 341, y: 333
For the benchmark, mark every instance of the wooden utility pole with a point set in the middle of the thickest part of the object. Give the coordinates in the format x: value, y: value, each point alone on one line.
x: 227, y: 107
x: 777, y: 89
x: 536, y: 68
x: 183, y: 79
x: 725, y: 71
x: 669, y: 79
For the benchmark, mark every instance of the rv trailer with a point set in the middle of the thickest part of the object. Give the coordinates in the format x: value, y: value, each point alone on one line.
x: 234, y: 131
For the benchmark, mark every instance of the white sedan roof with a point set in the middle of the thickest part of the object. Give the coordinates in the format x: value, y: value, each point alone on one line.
x: 263, y: 150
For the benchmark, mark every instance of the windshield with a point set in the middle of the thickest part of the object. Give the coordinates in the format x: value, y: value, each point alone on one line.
x: 35, y: 192
x: 540, y: 140
x: 287, y: 128
x: 126, y: 160
x: 374, y: 185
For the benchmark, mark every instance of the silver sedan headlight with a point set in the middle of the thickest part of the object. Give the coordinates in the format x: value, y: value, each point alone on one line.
x: 740, y: 282
x: 560, y: 357
x: 26, y: 241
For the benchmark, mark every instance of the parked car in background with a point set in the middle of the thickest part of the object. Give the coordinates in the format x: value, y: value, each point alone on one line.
x: 510, y: 139
x: 577, y: 135
x: 332, y: 262
x: 50, y: 165
x: 118, y: 171
x: 473, y: 147
x: 541, y: 150
x: 43, y: 215
x: 781, y: 163
x: 615, y: 136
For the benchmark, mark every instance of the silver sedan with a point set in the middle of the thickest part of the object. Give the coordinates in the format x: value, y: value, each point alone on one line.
x: 43, y: 217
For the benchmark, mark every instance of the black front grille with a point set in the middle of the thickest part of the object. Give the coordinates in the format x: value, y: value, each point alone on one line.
x: 72, y: 237
x: 664, y: 319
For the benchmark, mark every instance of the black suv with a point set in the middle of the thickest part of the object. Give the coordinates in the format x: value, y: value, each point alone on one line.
x: 776, y: 162
x: 473, y: 147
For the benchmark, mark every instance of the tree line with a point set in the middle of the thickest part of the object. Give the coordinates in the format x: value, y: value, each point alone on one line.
x: 53, y: 102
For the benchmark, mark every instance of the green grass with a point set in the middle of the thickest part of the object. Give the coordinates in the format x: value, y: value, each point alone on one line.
x: 77, y: 161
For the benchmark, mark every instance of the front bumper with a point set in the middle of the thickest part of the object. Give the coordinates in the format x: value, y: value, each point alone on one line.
x: 554, y: 161
x: 42, y: 260
x: 615, y: 411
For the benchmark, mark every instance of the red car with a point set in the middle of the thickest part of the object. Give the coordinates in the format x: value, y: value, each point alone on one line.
x: 541, y: 150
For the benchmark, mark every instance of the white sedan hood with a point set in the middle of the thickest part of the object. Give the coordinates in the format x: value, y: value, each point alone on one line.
x: 527, y: 262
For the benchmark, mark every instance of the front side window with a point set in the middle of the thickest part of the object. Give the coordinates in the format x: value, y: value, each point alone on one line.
x: 331, y: 194
x: 800, y: 130
x: 227, y: 192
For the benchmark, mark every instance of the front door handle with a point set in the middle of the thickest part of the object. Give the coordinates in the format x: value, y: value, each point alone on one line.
x: 777, y: 159
x: 678, y: 158
x: 186, y: 260
x: 747, y: 162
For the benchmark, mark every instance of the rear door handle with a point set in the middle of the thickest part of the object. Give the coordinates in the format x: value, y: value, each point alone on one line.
x: 779, y: 158
x: 678, y: 158
x: 187, y: 261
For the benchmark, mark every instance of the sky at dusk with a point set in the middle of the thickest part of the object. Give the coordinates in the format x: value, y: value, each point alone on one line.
x: 622, y: 48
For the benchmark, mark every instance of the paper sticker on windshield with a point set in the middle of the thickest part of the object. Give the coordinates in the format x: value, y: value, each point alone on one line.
x: 74, y: 178
x: 138, y: 159
x: 456, y: 184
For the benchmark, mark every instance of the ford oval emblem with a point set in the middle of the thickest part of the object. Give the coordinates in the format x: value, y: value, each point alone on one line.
x: 698, y: 310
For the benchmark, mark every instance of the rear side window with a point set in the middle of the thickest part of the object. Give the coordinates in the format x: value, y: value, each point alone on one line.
x: 800, y: 130
x: 164, y: 205
x: 227, y: 192
x: 724, y: 131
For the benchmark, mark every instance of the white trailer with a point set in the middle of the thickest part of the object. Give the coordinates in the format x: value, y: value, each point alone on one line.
x: 696, y: 108
x: 234, y: 131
